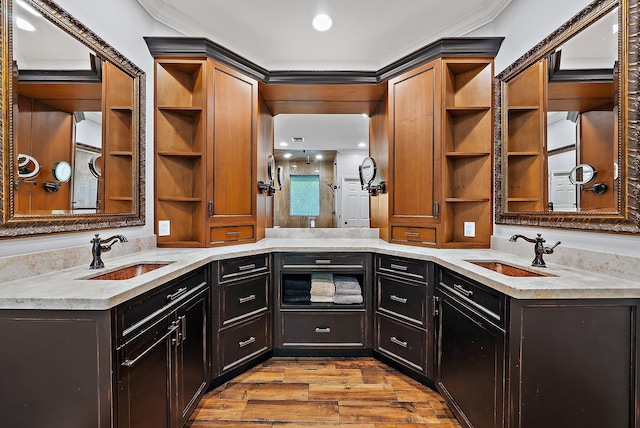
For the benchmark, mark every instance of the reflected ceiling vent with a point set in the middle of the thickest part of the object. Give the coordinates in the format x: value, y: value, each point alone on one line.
x: 297, y: 139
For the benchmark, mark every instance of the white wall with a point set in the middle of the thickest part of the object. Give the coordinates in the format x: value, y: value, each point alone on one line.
x: 525, y: 23
x: 122, y: 23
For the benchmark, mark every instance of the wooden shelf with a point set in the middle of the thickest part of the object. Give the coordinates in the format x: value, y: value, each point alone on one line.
x: 120, y: 198
x: 466, y: 110
x: 182, y: 110
x: 522, y: 109
x: 464, y: 155
x: 523, y: 153
x: 178, y: 199
x: 465, y: 200
x: 120, y: 153
x: 188, y: 155
x: 121, y: 108
x: 523, y: 199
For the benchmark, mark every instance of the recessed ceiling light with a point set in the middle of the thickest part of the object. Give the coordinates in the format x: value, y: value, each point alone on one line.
x: 322, y: 22
x: 318, y: 157
x: 283, y: 144
x: 24, y: 25
x: 294, y: 166
x: 287, y: 155
x: 28, y: 8
x: 362, y: 145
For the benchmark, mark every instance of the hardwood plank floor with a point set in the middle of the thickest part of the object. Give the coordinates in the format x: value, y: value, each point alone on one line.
x: 322, y: 393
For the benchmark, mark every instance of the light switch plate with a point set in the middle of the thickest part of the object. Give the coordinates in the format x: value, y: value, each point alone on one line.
x: 470, y: 229
x: 164, y: 228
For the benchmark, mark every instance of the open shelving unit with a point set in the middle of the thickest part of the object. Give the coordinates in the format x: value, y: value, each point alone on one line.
x: 180, y: 119
x: 118, y: 129
x: 526, y: 123
x: 467, y: 147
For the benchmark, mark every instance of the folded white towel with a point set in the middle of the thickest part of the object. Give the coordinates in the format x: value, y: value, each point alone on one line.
x: 321, y: 299
x: 346, y: 299
x: 322, y: 289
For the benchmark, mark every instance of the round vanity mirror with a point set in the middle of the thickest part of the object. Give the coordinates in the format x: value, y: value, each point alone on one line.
x: 367, y: 171
x: 271, y: 168
x: 62, y: 171
x: 582, y: 174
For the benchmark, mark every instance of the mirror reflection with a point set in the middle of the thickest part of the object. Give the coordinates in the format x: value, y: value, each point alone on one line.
x: 319, y: 155
x: 68, y: 101
x: 560, y: 112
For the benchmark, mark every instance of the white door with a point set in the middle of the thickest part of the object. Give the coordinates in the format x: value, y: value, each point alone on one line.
x: 355, y: 204
x: 563, y: 193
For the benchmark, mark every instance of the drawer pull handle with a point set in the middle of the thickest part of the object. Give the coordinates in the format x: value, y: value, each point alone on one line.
x: 249, y: 341
x: 398, y: 299
x: 130, y: 362
x: 247, y: 267
x: 174, y: 296
x: 247, y: 299
x: 411, y: 234
x: 398, y: 342
x: 233, y: 233
x: 399, y: 267
x: 460, y: 289
x: 323, y: 330
x: 323, y: 262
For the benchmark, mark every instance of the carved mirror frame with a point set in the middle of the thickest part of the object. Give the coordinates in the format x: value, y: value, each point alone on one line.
x: 13, y: 225
x: 627, y: 218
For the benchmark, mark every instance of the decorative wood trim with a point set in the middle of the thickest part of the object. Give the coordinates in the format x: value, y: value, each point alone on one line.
x: 202, y: 47
x: 627, y: 217
x: 12, y: 225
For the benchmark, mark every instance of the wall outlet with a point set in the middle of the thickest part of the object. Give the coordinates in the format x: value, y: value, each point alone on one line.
x: 470, y: 229
x: 164, y: 228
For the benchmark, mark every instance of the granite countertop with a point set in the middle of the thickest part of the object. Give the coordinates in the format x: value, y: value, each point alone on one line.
x: 71, y: 290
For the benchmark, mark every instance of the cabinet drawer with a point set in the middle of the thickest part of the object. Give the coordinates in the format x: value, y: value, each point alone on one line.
x: 243, y: 298
x: 243, y: 342
x: 243, y: 266
x: 219, y: 235
x: 320, y: 261
x: 402, y: 299
x: 401, y: 342
x: 412, y: 269
x: 424, y: 235
x: 487, y: 301
x: 323, y: 329
x: 136, y: 310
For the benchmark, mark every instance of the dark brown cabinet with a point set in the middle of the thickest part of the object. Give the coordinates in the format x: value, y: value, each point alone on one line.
x: 301, y: 324
x: 403, y: 322
x: 471, y: 351
x: 243, y: 299
x: 573, y: 363
x: 163, y: 353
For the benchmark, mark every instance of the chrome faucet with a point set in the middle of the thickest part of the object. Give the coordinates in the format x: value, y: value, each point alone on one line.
x: 98, y: 247
x: 539, y: 248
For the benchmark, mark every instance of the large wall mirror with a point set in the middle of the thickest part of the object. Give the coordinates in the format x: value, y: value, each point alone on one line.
x: 566, y: 141
x: 73, y: 126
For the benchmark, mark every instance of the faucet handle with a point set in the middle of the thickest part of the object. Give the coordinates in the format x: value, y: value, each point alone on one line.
x: 549, y: 250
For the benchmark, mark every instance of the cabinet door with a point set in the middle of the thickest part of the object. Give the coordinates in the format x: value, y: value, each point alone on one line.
x: 231, y: 173
x: 145, y: 381
x: 193, y: 355
x: 415, y: 111
x: 470, y: 367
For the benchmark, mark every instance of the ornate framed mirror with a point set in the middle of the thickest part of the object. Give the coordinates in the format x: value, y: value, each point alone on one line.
x: 71, y: 99
x: 571, y: 100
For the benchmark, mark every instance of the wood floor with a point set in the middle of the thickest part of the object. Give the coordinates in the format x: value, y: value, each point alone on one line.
x: 322, y: 392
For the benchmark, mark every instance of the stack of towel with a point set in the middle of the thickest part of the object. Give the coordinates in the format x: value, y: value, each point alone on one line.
x: 322, y: 288
x: 347, y: 290
x: 296, y: 289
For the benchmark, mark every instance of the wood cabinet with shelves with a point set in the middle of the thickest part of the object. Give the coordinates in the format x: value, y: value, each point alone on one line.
x: 118, y: 129
x: 525, y: 120
x: 440, y: 151
x: 206, y: 131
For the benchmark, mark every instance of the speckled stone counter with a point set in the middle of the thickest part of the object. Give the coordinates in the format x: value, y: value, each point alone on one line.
x: 71, y: 290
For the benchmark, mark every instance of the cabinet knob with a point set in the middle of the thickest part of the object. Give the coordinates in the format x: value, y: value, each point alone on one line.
x: 323, y: 330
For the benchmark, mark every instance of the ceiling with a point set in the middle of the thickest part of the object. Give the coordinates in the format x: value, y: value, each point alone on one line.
x: 366, y: 34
